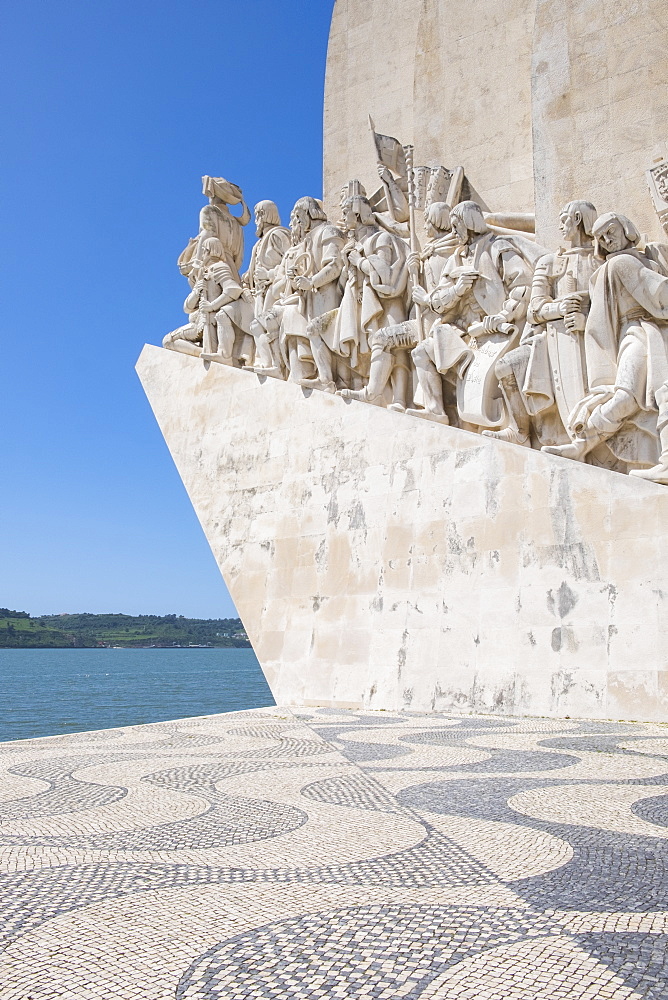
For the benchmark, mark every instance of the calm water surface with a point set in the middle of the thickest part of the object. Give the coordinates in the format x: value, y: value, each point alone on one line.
x: 44, y: 692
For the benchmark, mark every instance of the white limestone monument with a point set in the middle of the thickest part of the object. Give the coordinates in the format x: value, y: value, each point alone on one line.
x: 426, y: 432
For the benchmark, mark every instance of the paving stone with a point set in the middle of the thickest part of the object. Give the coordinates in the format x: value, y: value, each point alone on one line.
x: 321, y: 853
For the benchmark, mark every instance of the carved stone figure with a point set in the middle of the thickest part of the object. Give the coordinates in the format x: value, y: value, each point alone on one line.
x: 374, y: 295
x: 217, y: 220
x: 215, y: 285
x: 272, y: 244
x: 544, y: 378
x: 390, y: 345
x: 626, y: 349
x: 481, y: 301
x: 307, y: 284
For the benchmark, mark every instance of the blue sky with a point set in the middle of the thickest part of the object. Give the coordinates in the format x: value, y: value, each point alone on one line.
x: 113, y: 109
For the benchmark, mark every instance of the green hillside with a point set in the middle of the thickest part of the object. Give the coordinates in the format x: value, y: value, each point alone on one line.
x: 19, y: 631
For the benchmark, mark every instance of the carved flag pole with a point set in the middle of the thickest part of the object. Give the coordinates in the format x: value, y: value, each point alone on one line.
x: 414, y: 241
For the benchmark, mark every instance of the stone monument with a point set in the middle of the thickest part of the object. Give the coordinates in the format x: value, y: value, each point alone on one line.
x: 426, y: 432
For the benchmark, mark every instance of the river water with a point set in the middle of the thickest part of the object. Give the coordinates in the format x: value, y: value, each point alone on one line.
x: 44, y: 692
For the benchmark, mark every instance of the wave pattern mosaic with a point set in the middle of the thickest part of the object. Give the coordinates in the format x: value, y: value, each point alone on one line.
x: 287, y: 854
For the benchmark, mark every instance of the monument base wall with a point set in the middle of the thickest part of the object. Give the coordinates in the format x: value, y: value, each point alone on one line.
x: 378, y: 560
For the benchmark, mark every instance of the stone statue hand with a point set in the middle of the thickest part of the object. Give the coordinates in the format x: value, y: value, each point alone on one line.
x: 384, y: 173
x: 420, y: 297
x: 414, y: 261
x: 302, y: 283
x: 204, y: 306
x: 570, y: 304
x: 261, y: 274
x: 355, y: 258
x: 492, y: 324
x: 575, y: 322
x: 464, y: 283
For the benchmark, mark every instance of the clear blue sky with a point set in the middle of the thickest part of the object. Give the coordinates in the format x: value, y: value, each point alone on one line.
x: 113, y: 109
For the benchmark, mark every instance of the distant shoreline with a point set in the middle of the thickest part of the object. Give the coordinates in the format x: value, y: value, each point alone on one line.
x: 238, y: 645
x: 18, y: 630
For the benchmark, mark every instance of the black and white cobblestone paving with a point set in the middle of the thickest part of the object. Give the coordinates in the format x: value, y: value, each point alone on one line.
x: 281, y: 855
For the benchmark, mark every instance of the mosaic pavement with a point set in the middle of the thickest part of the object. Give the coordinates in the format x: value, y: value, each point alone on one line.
x: 277, y: 854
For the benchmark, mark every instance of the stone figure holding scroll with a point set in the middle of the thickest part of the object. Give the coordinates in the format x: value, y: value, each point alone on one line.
x: 626, y: 350
x: 272, y: 244
x: 481, y: 301
x: 390, y: 345
x: 307, y: 284
x: 544, y: 378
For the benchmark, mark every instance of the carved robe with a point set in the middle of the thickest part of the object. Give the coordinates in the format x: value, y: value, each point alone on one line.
x: 371, y: 301
x: 318, y: 256
x: 626, y: 347
x: 267, y: 253
x: 504, y: 279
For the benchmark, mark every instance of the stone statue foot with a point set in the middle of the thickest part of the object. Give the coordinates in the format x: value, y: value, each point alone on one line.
x: 576, y: 449
x: 274, y: 372
x: 316, y: 383
x: 510, y: 434
x: 439, y: 418
x: 397, y: 407
x: 657, y: 474
x: 353, y: 394
x: 220, y: 358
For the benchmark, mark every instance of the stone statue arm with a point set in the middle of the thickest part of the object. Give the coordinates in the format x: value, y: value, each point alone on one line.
x: 451, y: 288
x: 226, y: 296
x: 648, y: 287
x: 245, y: 216
x: 281, y: 284
x: 400, y: 229
x: 332, y: 262
x: 388, y: 271
x: 542, y: 307
x: 517, y: 276
x: 279, y: 242
x: 397, y: 201
x: 191, y: 303
x: 230, y: 289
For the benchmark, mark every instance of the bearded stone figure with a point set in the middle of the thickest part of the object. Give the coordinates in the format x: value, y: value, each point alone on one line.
x: 307, y: 284
x: 272, y: 244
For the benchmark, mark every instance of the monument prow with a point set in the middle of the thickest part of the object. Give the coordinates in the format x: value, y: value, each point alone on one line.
x: 382, y: 561
x: 499, y: 272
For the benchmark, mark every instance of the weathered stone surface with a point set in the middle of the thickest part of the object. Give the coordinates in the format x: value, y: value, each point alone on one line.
x: 450, y: 78
x: 572, y: 90
x: 600, y: 114
x: 383, y: 561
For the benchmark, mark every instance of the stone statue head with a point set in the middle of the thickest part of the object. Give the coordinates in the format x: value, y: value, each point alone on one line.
x: 349, y: 190
x: 356, y: 212
x: 577, y: 215
x: 208, y: 219
x: 437, y: 219
x: 305, y: 213
x: 266, y: 216
x: 468, y: 221
x: 614, y: 232
x: 212, y: 249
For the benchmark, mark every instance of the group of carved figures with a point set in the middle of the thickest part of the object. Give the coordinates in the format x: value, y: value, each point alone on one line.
x: 480, y: 327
